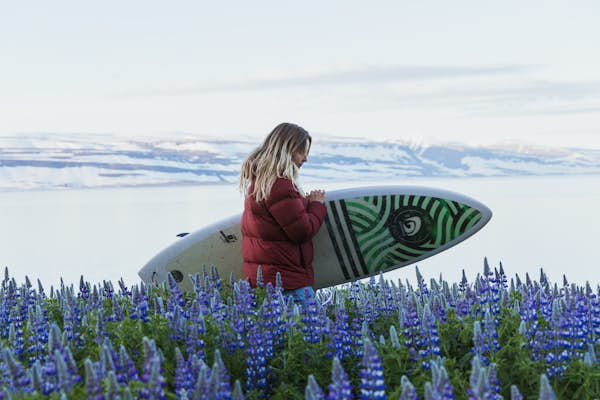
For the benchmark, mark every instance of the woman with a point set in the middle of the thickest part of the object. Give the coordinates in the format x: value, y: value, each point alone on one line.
x: 279, y: 222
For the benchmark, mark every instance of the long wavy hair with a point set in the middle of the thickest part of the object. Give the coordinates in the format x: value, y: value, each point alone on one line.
x: 273, y: 159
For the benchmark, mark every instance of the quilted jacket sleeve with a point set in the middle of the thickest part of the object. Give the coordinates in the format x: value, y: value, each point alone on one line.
x: 286, y: 205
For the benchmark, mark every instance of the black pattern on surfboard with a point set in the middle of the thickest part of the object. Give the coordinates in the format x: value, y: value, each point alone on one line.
x: 344, y: 243
x: 362, y: 264
x: 336, y: 247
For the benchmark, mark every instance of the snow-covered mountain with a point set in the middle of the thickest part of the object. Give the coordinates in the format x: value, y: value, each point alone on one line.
x: 67, y: 161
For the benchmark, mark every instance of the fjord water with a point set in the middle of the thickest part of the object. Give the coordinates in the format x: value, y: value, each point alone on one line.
x: 550, y: 222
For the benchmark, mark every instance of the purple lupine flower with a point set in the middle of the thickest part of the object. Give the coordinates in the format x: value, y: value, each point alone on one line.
x: 408, y: 390
x: 175, y: 299
x: 93, y: 386
x: 20, y: 380
x: 155, y: 387
x: 112, y: 387
x: 546, y: 392
x: 140, y: 303
x: 126, y: 369
x: 483, y: 382
x: 394, y: 337
x: 108, y: 290
x: 101, y: 330
x: 65, y: 382
x: 422, y: 290
x: 552, y: 346
x: 123, y: 291
x: 342, y: 340
x: 590, y: 358
x: 38, y: 327
x: 107, y: 359
x: 256, y: 363
x: 243, y: 311
x: 313, y: 391
x: 195, y: 329
x: 237, y: 393
x: 182, y: 379
x: 411, y: 325
x: 201, y: 388
x: 357, y: 336
x: 480, y: 345
x: 71, y: 365
x: 490, y: 332
x: 84, y: 289
x: 594, y: 317
x: 221, y: 387
x: 340, y: 387
x: 15, y: 335
x: 117, y: 310
x: 515, y: 394
x: 269, y: 320
x: 151, y: 354
x: 441, y: 388
x: 313, y: 322
x: 372, y: 385
x: 462, y: 304
x: 37, y: 380
x: 428, y: 341
x: 200, y: 292
x: 215, y: 278
x: 260, y: 282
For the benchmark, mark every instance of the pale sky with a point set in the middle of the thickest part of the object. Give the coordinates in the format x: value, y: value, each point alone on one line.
x: 468, y: 71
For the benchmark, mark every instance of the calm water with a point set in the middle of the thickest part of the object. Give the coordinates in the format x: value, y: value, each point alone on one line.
x: 105, y: 234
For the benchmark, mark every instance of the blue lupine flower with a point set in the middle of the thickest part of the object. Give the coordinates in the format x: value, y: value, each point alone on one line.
x: 441, y: 388
x: 340, y: 387
x: 394, y: 337
x: 412, y: 325
x: 20, y: 380
x: 546, y: 392
x: 237, y: 393
x: 155, y: 388
x: 342, y: 340
x: 314, y: 327
x: 123, y: 288
x: 428, y: 341
x: 195, y: 329
x: 93, y: 386
x: 372, y: 385
x: 483, y: 382
x: 112, y: 387
x: 109, y: 290
x: 408, y: 390
x: 220, y: 385
x: 126, y: 369
x: 182, y: 380
x: 313, y: 391
x: 256, y: 370
x: 514, y: 393
x: 84, y: 289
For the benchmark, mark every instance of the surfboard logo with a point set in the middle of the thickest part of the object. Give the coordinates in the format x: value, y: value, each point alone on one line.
x: 411, y: 226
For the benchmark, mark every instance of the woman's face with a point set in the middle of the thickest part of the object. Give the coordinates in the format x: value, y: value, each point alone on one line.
x: 299, y: 156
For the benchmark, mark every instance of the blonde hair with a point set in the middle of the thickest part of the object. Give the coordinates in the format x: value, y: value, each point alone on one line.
x: 273, y: 159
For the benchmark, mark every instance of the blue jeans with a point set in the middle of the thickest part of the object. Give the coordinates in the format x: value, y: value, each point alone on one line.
x: 300, y: 295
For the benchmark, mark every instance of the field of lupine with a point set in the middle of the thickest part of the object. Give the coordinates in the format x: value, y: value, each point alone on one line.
x: 489, y: 338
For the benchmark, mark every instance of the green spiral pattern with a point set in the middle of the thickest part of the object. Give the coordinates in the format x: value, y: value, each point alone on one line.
x: 369, y: 219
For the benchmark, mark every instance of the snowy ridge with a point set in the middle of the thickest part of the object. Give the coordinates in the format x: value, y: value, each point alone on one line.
x: 86, y: 161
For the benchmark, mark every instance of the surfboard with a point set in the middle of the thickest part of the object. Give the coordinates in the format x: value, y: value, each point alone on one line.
x: 367, y: 230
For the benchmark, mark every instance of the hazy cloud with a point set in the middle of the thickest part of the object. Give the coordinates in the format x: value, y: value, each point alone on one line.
x: 498, y: 98
x: 366, y: 75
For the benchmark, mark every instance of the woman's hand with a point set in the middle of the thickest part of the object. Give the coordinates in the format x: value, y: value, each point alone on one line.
x: 317, y: 195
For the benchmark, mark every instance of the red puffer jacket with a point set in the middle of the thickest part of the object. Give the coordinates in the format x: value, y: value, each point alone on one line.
x: 277, y: 234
